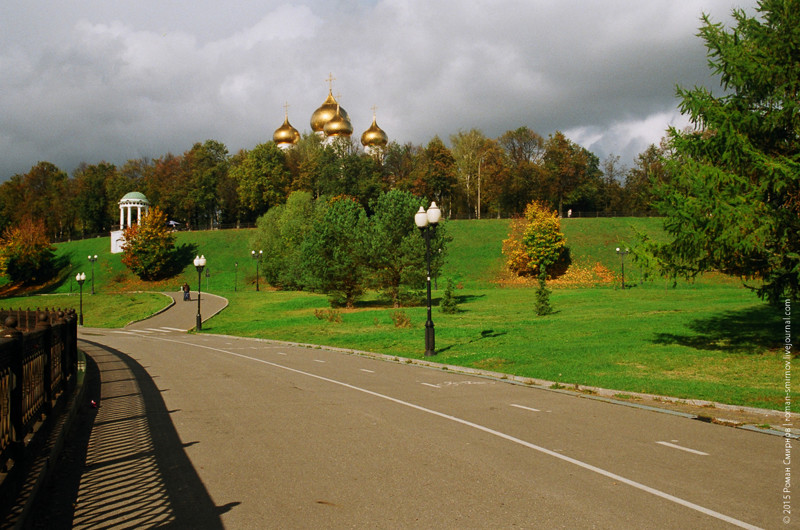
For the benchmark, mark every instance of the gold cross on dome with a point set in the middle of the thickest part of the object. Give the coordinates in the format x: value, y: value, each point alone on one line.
x: 286, y: 108
x: 330, y: 81
x: 374, y: 108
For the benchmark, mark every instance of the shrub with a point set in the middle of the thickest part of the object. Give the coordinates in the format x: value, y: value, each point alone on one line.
x: 400, y: 319
x: 331, y: 315
x: 449, y: 303
x: 149, y: 248
x: 543, y: 306
x: 535, y: 242
x: 25, y: 252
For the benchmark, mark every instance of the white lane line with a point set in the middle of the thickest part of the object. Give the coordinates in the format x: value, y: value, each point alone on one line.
x: 282, y: 353
x: 319, y: 361
x: 526, y: 408
x: 172, y: 329
x: 695, y: 451
x: 431, y: 385
x: 158, y: 330
x: 123, y: 332
x: 368, y: 371
x: 504, y: 436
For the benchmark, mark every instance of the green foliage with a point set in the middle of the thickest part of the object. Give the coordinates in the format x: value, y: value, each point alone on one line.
x: 536, y: 243
x: 543, y: 306
x: 398, y: 251
x: 149, y: 247
x: 281, y: 232
x: 25, y: 253
x: 733, y: 201
x: 336, y: 252
x: 449, y: 304
x: 263, y: 178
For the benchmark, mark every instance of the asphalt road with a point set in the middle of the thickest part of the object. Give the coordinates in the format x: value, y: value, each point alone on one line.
x: 204, y: 431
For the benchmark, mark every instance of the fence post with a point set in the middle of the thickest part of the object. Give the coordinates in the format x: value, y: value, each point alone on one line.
x: 10, y: 331
x: 43, y: 325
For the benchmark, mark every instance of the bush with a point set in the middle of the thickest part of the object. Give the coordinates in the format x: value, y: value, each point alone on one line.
x: 26, y: 254
x: 400, y: 319
x: 149, y: 248
x: 543, y: 306
x: 449, y: 303
x: 535, y: 242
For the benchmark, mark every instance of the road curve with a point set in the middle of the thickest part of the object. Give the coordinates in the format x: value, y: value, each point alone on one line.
x: 209, y: 431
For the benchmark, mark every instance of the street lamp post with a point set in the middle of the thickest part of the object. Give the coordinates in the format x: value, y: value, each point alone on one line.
x: 257, y: 256
x: 93, y: 259
x: 622, y: 254
x: 426, y: 221
x: 235, y: 274
x: 80, y: 278
x: 199, y: 263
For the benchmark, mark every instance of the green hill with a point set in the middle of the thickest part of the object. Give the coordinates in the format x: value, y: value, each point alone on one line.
x: 475, y: 254
x: 710, y: 339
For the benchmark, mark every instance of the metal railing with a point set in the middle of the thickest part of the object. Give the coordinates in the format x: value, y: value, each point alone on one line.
x: 38, y: 364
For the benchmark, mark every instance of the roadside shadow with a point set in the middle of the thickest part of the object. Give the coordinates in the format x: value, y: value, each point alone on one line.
x: 485, y: 334
x: 129, y: 444
x: 751, y: 331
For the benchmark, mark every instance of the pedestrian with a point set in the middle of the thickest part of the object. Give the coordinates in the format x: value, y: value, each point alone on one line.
x: 185, y: 290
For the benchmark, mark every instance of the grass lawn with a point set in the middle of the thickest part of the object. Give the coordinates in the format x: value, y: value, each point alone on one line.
x: 101, y: 310
x: 711, y: 339
x: 674, y: 342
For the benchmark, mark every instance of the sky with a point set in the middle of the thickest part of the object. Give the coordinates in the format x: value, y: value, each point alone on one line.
x: 113, y: 80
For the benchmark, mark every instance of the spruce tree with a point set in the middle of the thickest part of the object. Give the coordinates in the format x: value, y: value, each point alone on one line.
x: 732, y: 202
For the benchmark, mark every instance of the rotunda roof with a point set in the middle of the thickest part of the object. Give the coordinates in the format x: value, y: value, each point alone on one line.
x: 134, y: 196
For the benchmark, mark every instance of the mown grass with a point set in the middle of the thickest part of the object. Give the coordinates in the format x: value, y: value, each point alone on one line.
x: 670, y: 342
x: 101, y: 310
x: 711, y: 339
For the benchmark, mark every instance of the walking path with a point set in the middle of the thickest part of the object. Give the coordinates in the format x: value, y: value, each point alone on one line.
x: 108, y: 470
x: 207, y: 431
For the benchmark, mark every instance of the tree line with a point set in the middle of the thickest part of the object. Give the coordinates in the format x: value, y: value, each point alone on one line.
x: 206, y: 186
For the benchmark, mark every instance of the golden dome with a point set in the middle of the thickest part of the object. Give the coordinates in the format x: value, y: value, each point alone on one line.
x: 374, y: 136
x: 286, y: 134
x: 326, y: 113
x: 338, y: 125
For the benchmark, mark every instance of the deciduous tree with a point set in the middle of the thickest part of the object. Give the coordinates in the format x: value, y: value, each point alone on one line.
x: 26, y: 254
x: 149, y: 248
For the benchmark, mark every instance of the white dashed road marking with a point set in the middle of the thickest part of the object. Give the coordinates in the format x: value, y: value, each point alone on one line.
x: 694, y: 451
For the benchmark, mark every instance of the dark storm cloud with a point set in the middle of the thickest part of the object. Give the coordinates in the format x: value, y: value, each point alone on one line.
x: 95, y: 80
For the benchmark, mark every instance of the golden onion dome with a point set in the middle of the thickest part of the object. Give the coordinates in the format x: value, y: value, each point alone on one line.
x: 326, y: 113
x: 286, y: 134
x: 374, y: 136
x: 339, y: 125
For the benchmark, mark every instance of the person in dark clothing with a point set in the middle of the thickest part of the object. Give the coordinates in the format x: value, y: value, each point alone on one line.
x: 185, y: 290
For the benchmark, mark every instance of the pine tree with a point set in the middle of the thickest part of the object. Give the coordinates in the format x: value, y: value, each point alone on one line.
x: 732, y: 202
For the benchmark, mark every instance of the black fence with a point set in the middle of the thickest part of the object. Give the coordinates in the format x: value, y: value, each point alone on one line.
x: 38, y: 366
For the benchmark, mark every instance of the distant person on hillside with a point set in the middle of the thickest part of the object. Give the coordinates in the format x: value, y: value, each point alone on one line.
x: 185, y: 290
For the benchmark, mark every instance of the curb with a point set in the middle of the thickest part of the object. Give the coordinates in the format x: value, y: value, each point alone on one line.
x: 578, y: 391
